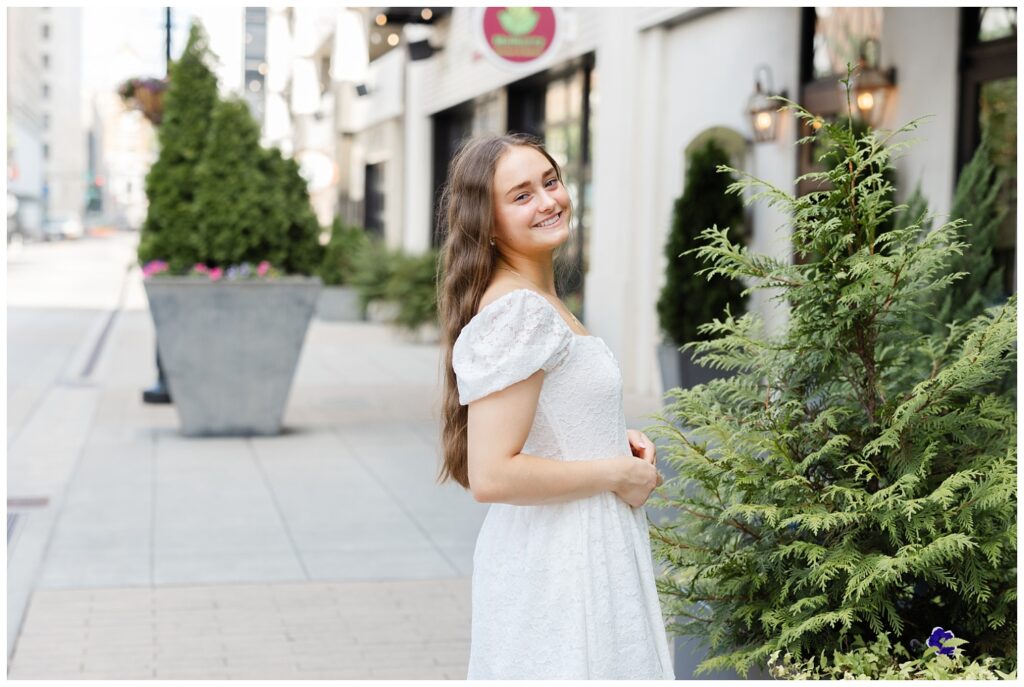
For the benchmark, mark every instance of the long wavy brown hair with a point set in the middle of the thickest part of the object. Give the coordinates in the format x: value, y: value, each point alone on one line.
x: 467, y: 264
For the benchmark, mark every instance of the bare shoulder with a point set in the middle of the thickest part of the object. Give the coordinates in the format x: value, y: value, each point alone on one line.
x: 499, y: 287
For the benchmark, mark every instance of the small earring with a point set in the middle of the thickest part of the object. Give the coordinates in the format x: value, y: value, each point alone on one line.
x: 492, y: 242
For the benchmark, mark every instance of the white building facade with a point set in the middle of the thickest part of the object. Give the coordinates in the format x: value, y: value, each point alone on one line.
x: 623, y: 97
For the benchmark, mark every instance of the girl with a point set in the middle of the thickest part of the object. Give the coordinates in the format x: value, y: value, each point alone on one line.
x: 563, y: 582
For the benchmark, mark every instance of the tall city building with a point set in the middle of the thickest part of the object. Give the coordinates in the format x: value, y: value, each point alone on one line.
x: 58, y: 51
x: 25, y: 164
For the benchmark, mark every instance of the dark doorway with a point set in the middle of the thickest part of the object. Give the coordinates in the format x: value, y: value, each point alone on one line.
x: 374, y: 200
x: 451, y: 128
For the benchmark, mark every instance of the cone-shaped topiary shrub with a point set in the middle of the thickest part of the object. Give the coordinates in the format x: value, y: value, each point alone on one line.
x: 687, y: 299
x: 856, y: 476
x: 170, y: 228
x: 217, y: 198
x: 301, y: 250
x: 232, y: 225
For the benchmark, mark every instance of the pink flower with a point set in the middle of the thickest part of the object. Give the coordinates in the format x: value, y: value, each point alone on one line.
x: 216, y: 273
x: 153, y: 267
x: 263, y: 268
x: 200, y: 268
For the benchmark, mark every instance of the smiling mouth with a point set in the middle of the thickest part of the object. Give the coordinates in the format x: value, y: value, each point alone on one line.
x: 550, y: 221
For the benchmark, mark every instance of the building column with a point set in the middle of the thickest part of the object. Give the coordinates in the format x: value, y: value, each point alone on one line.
x: 619, y: 280
x: 417, y: 187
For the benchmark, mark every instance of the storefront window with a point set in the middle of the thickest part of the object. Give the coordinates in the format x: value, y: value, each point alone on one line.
x: 832, y: 37
x: 988, y: 105
x: 996, y: 23
x: 997, y: 113
x: 566, y: 139
x: 839, y: 33
x: 489, y: 114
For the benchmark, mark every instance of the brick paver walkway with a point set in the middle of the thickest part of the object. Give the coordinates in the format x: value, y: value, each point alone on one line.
x: 416, y: 629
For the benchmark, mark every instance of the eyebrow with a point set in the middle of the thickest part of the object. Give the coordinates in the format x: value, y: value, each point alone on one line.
x: 527, y: 183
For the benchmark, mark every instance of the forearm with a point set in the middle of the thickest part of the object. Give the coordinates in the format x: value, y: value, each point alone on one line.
x: 526, y: 480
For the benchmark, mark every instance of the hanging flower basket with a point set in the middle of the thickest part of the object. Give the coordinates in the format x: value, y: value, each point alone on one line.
x: 145, y: 95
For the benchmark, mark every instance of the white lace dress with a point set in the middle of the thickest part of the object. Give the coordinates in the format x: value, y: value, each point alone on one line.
x: 562, y: 590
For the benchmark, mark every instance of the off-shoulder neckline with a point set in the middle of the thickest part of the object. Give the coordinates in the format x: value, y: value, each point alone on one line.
x: 549, y: 304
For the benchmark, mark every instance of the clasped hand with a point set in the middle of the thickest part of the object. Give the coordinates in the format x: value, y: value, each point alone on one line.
x: 638, y: 478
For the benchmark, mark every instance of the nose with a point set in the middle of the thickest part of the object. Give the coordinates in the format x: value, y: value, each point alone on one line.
x: 547, y: 201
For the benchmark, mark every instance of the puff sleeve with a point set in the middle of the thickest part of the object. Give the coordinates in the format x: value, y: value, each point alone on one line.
x: 506, y: 342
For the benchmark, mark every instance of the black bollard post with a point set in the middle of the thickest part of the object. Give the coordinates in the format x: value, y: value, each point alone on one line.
x: 159, y: 393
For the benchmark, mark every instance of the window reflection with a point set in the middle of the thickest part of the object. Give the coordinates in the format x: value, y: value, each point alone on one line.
x: 997, y: 22
x: 839, y: 33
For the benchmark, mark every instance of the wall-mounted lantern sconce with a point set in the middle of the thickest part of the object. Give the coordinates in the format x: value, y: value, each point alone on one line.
x: 870, y: 86
x: 418, y: 37
x: 763, y: 113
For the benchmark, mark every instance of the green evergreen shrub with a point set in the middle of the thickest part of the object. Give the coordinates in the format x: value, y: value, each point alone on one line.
x: 977, y: 201
x: 298, y: 241
x: 252, y: 203
x: 169, y: 231
x: 856, y: 476
x: 343, y: 253
x: 687, y: 299
x: 232, y: 228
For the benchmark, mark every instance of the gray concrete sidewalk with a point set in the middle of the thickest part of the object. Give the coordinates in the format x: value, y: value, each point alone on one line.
x: 328, y: 551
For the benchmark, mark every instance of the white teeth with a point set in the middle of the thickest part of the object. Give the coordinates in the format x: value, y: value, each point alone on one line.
x: 549, y: 222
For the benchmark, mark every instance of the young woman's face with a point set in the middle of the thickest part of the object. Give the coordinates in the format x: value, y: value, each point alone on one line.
x: 531, y: 207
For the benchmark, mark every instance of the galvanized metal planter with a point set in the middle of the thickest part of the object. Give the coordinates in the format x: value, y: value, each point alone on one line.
x: 340, y: 304
x: 229, y: 349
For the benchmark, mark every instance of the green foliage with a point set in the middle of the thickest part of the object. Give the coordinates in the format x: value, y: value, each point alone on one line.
x: 169, y: 231
x: 252, y: 203
x: 373, y: 272
x: 884, y: 661
x: 413, y: 285
x: 688, y: 299
x: 830, y: 153
x: 296, y: 241
x: 343, y: 254
x: 216, y: 196
x: 410, y: 281
x: 856, y: 476
x: 977, y: 202
x: 229, y: 188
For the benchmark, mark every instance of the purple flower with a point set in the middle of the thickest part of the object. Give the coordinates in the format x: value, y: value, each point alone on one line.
x: 937, y: 638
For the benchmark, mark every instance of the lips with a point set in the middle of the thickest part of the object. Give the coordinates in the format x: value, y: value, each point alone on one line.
x: 549, y: 222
